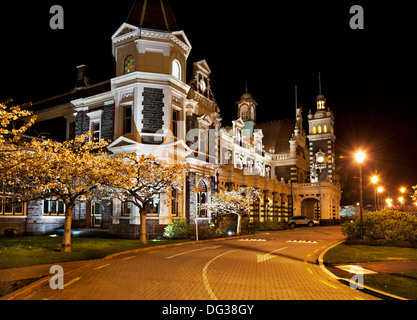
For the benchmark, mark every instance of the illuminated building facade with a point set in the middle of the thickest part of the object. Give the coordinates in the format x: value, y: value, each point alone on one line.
x: 149, y: 107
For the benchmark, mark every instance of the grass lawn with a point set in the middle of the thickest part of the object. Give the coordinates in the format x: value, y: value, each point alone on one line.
x: 363, y: 253
x: 29, y: 251
x: 400, y: 284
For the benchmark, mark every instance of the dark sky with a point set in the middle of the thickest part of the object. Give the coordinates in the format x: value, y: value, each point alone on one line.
x: 368, y: 76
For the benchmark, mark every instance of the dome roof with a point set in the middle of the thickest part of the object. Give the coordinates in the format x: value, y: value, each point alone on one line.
x: 246, y: 96
x: 320, y: 97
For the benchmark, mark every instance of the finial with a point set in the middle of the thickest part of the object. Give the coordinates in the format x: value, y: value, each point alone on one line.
x: 319, y: 82
x: 296, y: 98
x: 246, y: 87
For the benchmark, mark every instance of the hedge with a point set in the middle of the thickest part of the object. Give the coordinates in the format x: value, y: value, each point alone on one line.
x: 383, y: 225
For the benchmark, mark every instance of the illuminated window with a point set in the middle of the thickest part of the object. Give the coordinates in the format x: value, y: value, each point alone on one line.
x: 176, y: 69
x: 152, y: 206
x: 9, y: 204
x: 53, y: 207
x: 96, y: 129
x: 129, y: 65
x: 319, y: 129
x: 325, y: 129
x: 244, y: 113
x: 314, y: 130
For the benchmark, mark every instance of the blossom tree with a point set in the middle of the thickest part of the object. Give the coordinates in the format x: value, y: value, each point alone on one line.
x: 414, y: 195
x: 139, y: 178
x: 233, y: 202
x: 14, y: 122
x: 67, y: 171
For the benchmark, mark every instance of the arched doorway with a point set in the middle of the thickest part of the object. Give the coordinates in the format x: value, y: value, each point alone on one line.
x: 311, y: 208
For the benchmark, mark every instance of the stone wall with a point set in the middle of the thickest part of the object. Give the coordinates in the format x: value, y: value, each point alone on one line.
x: 153, y: 113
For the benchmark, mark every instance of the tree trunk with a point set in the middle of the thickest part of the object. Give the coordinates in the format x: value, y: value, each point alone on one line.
x: 239, y: 223
x: 143, y: 225
x: 66, y: 243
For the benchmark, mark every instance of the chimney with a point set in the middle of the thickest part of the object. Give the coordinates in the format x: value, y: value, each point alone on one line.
x: 82, y: 79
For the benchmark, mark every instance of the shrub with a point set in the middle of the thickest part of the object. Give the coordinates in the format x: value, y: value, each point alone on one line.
x: 383, y: 225
x: 178, y: 229
x: 268, y: 225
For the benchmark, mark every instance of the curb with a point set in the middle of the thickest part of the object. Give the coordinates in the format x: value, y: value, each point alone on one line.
x: 366, y: 289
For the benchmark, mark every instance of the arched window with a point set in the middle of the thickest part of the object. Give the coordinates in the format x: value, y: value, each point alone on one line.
x: 176, y: 69
x: 129, y: 65
x: 202, y: 198
x: 319, y: 129
x: 244, y: 113
x: 325, y: 129
x: 314, y: 130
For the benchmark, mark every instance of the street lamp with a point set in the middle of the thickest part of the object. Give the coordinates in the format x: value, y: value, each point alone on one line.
x: 360, y: 157
x: 401, y: 199
x: 374, y: 180
x: 380, y: 190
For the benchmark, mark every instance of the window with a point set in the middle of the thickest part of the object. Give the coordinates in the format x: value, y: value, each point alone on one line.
x: 152, y: 207
x: 244, y: 113
x: 174, y: 203
x: 129, y: 65
x: 9, y: 204
x: 96, y: 129
x: 71, y: 130
x: 319, y: 129
x: 127, y: 120
x: 53, y: 207
x: 325, y: 129
x: 126, y: 208
x: 175, y: 119
x: 314, y: 130
x: 176, y: 69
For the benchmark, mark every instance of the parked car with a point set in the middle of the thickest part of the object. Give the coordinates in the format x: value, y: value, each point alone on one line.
x: 302, y: 221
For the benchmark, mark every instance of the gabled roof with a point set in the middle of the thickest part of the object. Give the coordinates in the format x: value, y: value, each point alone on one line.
x: 153, y: 14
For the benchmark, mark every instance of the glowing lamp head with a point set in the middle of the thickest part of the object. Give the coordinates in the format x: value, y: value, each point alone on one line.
x: 360, y: 157
x: 380, y: 189
x: 374, y: 179
x: 402, y: 190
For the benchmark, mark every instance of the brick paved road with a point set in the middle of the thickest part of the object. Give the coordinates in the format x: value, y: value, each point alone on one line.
x: 272, y: 266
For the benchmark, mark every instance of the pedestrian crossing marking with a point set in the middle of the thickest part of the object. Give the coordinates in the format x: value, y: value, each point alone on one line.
x: 252, y: 240
x: 302, y: 241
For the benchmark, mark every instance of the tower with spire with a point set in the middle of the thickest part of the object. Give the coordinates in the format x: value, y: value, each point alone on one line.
x: 247, y: 111
x: 321, y: 141
x: 150, y: 86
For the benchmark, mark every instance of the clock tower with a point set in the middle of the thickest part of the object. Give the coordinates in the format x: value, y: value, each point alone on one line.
x: 321, y: 141
x: 247, y: 111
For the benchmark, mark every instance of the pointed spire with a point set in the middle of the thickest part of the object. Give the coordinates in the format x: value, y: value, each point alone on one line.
x: 320, y: 83
x: 321, y: 100
x: 152, y: 14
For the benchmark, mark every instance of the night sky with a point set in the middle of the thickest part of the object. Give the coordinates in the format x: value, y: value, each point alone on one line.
x: 368, y: 76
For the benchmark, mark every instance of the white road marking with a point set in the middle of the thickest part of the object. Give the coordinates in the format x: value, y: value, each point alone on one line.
x: 205, y: 278
x: 187, y: 252
x: 268, y: 256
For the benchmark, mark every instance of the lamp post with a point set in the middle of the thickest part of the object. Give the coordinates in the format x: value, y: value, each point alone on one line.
x: 360, y: 157
x: 374, y: 180
x: 402, y: 201
x: 380, y: 190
